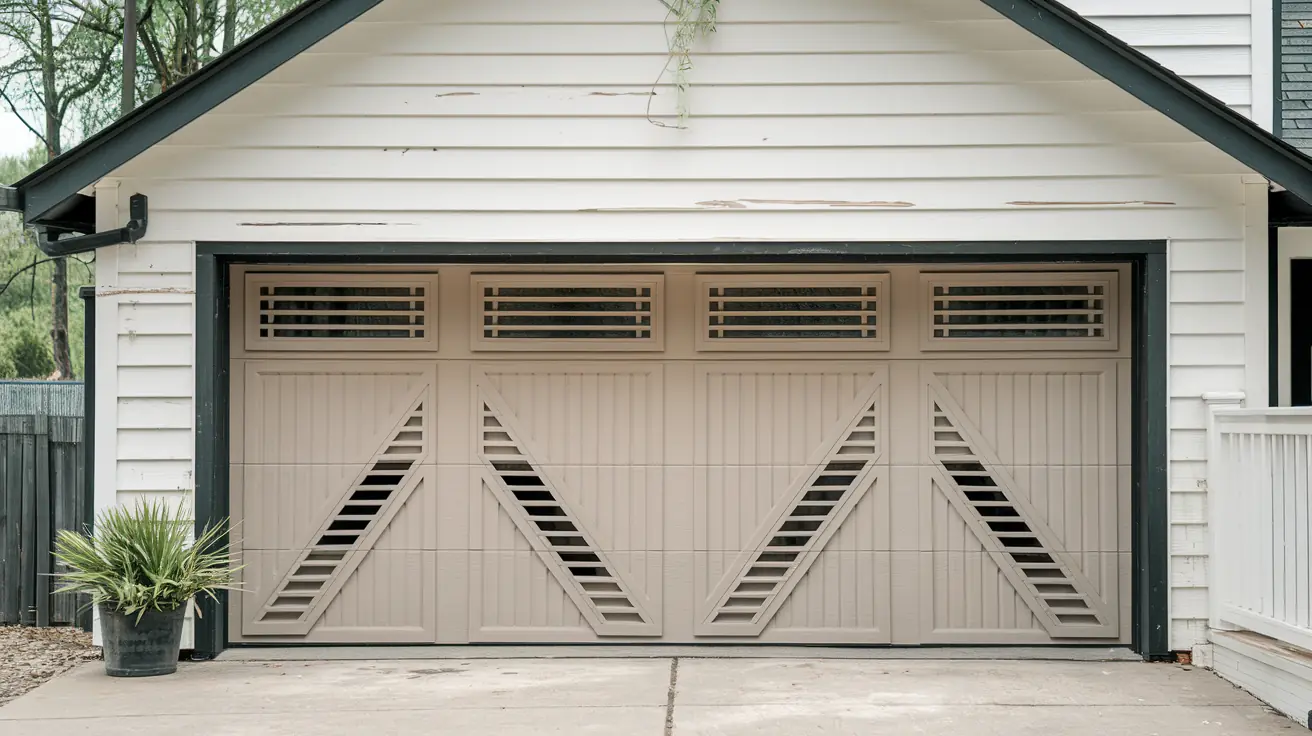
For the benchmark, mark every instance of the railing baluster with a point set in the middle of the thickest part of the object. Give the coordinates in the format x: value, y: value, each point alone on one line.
x: 1261, y: 491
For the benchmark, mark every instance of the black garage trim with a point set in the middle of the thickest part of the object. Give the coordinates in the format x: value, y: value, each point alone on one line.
x: 1149, y: 496
x: 1053, y: 251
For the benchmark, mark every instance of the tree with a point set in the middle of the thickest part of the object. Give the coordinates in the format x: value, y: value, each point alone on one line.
x: 179, y: 36
x: 182, y: 36
x: 23, y: 269
x: 23, y: 352
x: 65, y: 50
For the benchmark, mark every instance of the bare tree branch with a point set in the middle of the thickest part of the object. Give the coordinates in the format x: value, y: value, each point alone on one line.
x: 14, y: 109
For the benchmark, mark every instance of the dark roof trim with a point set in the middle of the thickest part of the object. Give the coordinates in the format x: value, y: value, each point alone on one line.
x: 280, y: 41
x: 1157, y: 86
x: 313, y: 20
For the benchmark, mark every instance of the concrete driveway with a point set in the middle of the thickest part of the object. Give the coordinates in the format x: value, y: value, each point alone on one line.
x: 648, y: 697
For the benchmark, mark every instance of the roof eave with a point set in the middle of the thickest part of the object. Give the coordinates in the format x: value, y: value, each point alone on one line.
x: 42, y: 192
x: 102, y: 153
x: 1155, y: 85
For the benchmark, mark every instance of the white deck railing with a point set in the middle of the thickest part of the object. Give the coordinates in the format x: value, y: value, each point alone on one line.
x: 1260, y: 495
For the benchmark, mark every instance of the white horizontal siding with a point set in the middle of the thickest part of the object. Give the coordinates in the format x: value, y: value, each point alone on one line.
x: 1209, y: 43
x: 831, y: 120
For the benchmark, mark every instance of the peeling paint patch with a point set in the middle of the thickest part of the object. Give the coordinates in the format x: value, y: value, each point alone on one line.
x: 457, y: 94
x: 829, y: 202
x: 1147, y: 203
x: 743, y: 203
x: 321, y: 224
x: 621, y: 94
x: 111, y: 291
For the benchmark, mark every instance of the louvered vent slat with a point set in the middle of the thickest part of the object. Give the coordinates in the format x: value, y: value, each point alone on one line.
x: 567, y: 312
x: 986, y: 500
x: 341, y: 311
x: 792, y: 312
x: 1020, y: 311
x: 381, y: 488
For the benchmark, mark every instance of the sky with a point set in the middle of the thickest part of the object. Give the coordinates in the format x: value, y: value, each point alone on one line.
x: 14, y: 137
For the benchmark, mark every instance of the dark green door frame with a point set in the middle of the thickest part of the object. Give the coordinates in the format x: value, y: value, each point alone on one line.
x: 1151, y: 579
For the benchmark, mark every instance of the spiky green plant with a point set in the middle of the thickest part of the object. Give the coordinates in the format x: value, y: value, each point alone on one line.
x: 686, y: 22
x: 141, y: 559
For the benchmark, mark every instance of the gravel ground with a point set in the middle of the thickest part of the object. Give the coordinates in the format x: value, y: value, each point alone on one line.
x: 30, y: 656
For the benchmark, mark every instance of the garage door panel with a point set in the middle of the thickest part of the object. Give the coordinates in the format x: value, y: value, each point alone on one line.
x: 843, y: 596
x: 775, y: 413
x: 388, y: 598
x: 492, y: 527
x: 584, y: 413
x: 781, y: 553
x: 987, y: 502
x: 733, y: 502
x: 933, y: 494
x: 621, y: 506
x: 1041, y: 413
x: 519, y: 596
x: 318, y: 572
x: 966, y: 598
x: 414, y: 526
x: 846, y: 427
x: 359, y: 514
x: 436, y: 514
x: 326, y: 412
x: 282, y: 506
x: 1079, y: 504
x: 603, y: 591
x: 868, y: 526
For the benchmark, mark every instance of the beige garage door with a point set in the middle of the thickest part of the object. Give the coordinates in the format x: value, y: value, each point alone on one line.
x: 901, y: 455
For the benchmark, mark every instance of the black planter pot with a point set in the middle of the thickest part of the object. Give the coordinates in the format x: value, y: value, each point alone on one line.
x: 142, y: 648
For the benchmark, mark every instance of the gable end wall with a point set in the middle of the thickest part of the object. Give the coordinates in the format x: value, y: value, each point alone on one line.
x: 393, y: 130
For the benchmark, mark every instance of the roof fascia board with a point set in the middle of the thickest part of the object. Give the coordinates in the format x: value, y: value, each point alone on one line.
x: 301, y: 28
x: 1158, y: 87
x: 314, y: 20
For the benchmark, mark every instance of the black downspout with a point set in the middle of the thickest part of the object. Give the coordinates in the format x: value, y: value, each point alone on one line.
x: 88, y: 295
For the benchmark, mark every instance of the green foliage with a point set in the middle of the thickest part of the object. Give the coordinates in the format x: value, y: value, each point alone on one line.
x: 13, y: 168
x: 139, y: 559
x: 58, y: 52
x: 25, y: 305
x: 693, y: 20
x: 24, y: 350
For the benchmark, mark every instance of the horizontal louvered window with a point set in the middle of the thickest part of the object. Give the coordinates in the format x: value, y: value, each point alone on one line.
x: 341, y: 311
x: 792, y: 312
x: 567, y: 312
x: 1020, y: 311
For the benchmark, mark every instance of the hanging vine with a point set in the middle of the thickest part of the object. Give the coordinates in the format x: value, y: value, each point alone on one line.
x: 686, y: 22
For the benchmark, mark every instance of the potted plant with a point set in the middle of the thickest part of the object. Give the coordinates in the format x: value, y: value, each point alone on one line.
x: 142, y: 571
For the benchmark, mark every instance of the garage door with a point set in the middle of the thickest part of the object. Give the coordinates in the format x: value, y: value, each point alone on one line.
x: 900, y: 455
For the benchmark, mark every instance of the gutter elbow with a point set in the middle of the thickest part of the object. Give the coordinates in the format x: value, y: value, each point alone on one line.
x: 134, y: 230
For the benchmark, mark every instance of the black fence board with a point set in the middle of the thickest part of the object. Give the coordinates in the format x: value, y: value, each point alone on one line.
x: 42, y: 483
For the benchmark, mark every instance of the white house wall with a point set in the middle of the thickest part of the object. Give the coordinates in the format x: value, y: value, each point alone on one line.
x: 1223, y: 46
x: 875, y: 120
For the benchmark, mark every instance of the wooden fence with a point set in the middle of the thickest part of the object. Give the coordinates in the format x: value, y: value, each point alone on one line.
x: 1260, y: 493
x: 41, y: 491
